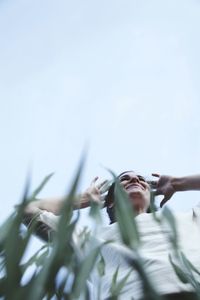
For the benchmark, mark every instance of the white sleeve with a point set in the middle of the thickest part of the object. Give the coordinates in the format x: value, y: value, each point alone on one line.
x: 82, y: 236
x: 52, y: 221
x: 49, y: 219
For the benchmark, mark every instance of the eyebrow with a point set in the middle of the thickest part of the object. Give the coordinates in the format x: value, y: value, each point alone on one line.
x: 125, y: 173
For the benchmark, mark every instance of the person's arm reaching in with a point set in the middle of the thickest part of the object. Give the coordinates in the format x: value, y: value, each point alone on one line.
x: 54, y: 205
x: 168, y: 185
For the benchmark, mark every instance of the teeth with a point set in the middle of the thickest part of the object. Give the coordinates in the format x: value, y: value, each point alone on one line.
x: 134, y: 185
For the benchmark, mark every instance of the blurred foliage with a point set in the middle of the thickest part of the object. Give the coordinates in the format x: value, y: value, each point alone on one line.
x: 61, y: 255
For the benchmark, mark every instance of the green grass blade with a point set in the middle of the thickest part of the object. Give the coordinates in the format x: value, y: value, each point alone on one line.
x: 41, y: 186
x: 169, y: 217
x: 83, y: 271
x: 126, y: 218
x: 179, y: 272
x: 101, y: 266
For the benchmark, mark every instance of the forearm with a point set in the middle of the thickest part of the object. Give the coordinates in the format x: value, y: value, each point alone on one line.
x: 55, y: 205
x: 186, y: 183
x: 52, y: 205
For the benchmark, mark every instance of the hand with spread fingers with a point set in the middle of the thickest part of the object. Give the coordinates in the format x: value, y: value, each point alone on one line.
x: 164, y: 187
x: 94, y: 192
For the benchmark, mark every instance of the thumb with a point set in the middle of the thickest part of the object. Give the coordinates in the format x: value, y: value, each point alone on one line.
x: 164, y: 200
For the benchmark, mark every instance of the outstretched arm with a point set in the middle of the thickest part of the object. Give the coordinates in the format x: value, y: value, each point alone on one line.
x: 54, y: 205
x: 168, y: 185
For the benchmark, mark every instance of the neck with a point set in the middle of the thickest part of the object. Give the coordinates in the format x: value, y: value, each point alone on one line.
x: 139, y: 210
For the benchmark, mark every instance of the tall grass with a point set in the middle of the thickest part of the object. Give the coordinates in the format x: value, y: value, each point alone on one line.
x: 60, y: 255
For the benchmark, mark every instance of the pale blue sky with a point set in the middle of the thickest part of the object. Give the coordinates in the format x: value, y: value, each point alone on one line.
x: 122, y: 76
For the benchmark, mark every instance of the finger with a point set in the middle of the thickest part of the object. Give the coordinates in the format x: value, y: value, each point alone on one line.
x: 164, y: 200
x: 94, y: 180
x: 153, y: 183
x: 101, y: 184
x: 105, y: 188
x: 155, y: 174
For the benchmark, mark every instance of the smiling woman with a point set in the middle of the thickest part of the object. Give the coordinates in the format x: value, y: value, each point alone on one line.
x: 138, y: 190
x: 154, y: 248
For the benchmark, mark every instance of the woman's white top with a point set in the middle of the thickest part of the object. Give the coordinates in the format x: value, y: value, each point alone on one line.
x: 154, y: 250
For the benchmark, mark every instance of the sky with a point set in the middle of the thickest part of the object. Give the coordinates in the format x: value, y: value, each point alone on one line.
x: 120, y: 78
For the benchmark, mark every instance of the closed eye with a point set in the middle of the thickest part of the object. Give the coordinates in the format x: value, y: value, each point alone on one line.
x: 125, y: 177
x: 141, y: 178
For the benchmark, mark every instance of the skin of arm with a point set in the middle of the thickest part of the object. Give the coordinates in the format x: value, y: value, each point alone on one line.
x: 187, y: 183
x: 54, y: 205
x: 168, y: 185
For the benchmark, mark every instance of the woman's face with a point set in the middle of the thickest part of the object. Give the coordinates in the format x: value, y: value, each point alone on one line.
x: 137, y: 189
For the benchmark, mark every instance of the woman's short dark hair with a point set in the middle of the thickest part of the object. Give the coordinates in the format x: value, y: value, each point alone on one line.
x: 109, y: 203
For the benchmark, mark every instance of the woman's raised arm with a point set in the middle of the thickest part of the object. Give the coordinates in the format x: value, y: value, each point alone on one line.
x: 168, y: 185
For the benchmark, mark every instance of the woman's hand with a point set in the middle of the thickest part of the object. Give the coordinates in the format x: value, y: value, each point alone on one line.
x: 94, y: 192
x: 164, y: 186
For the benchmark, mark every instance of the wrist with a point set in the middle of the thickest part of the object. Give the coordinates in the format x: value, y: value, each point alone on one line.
x: 178, y: 184
x: 81, y: 202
